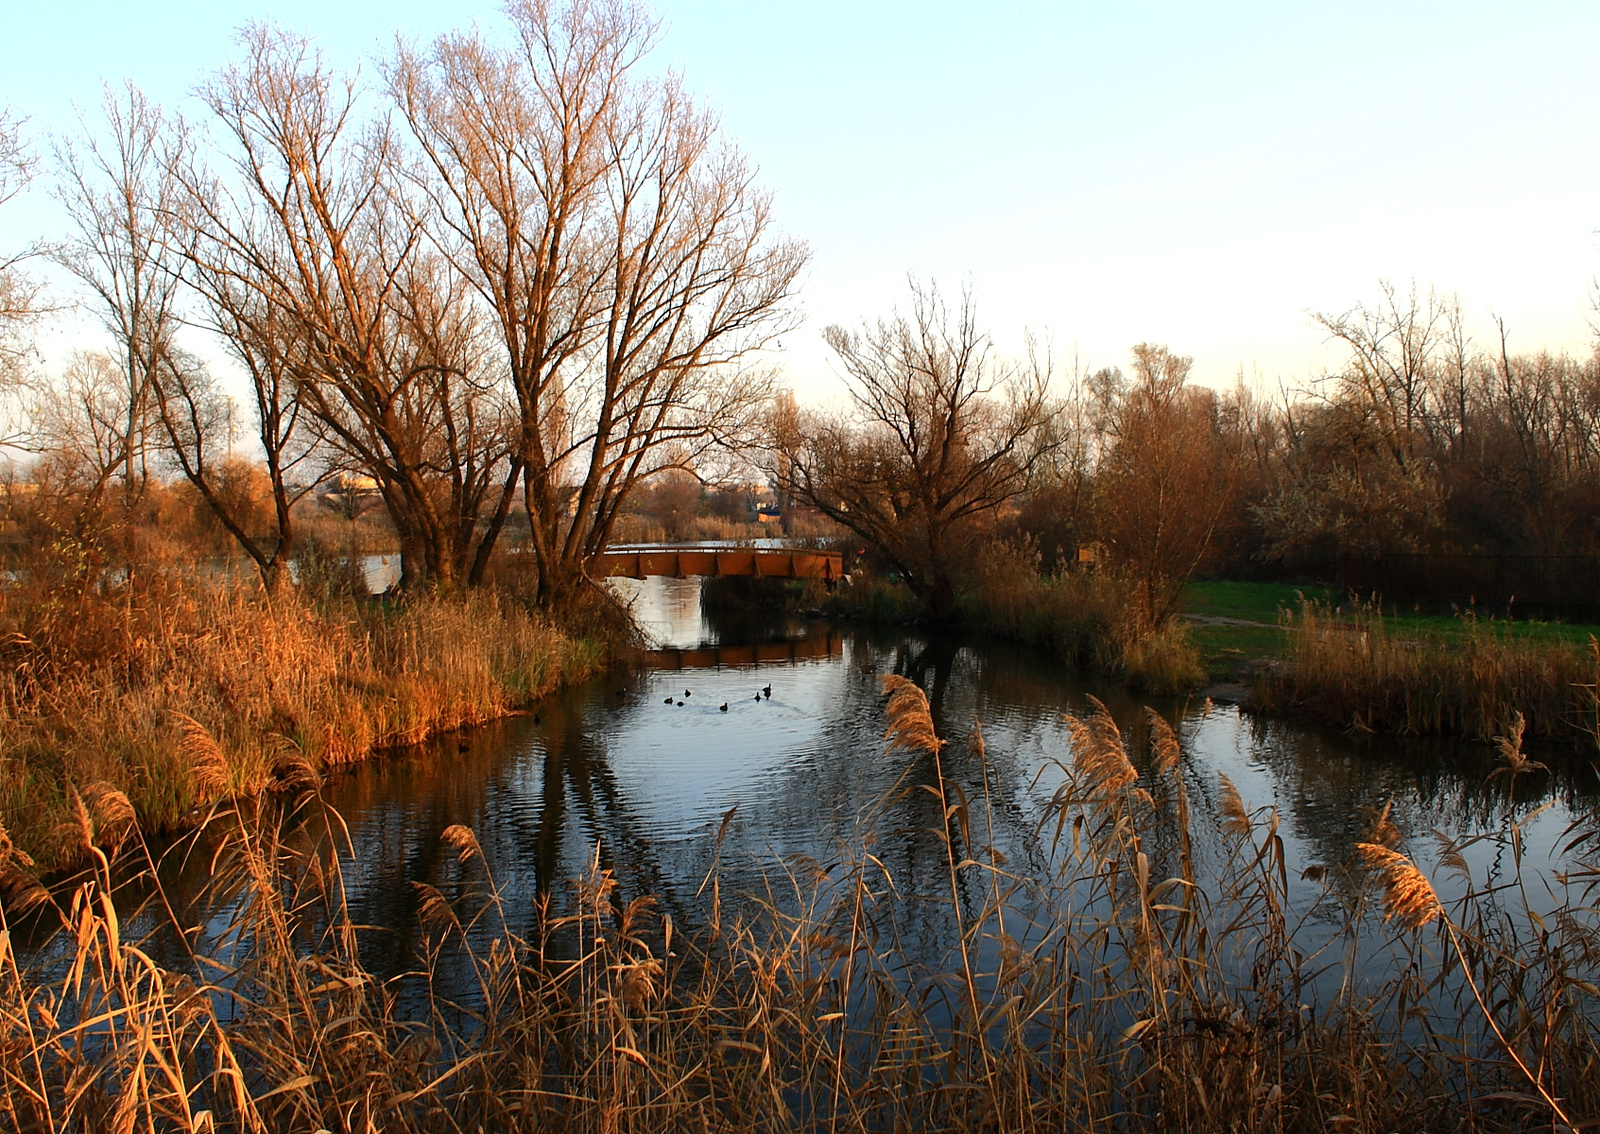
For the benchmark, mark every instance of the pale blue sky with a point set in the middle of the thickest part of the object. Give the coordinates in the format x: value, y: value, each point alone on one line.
x: 1199, y: 175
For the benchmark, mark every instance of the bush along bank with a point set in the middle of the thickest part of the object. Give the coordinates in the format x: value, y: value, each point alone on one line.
x: 1091, y: 620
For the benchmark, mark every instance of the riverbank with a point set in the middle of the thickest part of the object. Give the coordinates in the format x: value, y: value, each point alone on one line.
x: 1085, y: 619
x: 118, y: 687
x: 1305, y: 652
x: 1289, y: 651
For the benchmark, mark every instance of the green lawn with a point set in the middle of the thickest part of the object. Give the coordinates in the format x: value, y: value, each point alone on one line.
x: 1259, y: 602
x: 1224, y: 647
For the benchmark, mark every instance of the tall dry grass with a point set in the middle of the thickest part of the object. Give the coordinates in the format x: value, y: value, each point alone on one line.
x: 1094, y: 618
x: 108, y: 684
x: 1136, y: 985
x: 1359, y: 671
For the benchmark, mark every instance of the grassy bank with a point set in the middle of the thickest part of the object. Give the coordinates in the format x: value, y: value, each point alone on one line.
x: 1231, y: 621
x: 110, y: 686
x: 1135, y: 985
x: 1359, y: 669
x: 1342, y: 662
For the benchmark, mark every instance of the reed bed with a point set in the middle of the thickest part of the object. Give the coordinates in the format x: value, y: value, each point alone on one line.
x: 1094, y: 618
x: 1089, y: 619
x: 101, y: 684
x: 1136, y: 984
x: 1356, y: 670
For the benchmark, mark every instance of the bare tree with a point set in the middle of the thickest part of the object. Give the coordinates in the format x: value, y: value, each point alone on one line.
x: 941, y: 434
x: 19, y: 294
x: 1394, y: 352
x: 620, y: 245
x: 79, y: 425
x: 196, y: 414
x: 370, y: 329
x: 115, y: 189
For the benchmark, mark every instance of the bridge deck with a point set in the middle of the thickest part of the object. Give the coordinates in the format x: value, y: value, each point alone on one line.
x: 764, y: 563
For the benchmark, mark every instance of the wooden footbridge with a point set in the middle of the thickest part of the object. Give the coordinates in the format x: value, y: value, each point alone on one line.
x: 684, y: 559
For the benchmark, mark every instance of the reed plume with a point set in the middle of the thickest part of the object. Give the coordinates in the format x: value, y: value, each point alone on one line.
x: 112, y: 813
x: 1381, y: 829
x: 910, y: 721
x: 293, y: 774
x: 1509, y: 750
x: 10, y: 852
x: 1235, y: 819
x: 464, y: 841
x: 1164, y: 748
x: 1408, y: 896
x: 1098, y: 755
x: 77, y: 829
x: 208, y: 765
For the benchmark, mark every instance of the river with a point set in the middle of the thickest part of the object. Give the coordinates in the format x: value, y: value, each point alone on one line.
x: 642, y: 771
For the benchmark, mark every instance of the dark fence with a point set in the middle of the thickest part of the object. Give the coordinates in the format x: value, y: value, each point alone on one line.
x: 1547, y: 585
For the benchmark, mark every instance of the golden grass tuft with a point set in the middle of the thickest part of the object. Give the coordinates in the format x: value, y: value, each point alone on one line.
x: 1408, y: 896
x: 910, y: 723
x: 1098, y: 754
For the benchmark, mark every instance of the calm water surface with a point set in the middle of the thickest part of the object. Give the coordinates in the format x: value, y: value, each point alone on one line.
x: 616, y: 771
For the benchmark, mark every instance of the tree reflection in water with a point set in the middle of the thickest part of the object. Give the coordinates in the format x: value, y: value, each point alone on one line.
x: 606, y: 769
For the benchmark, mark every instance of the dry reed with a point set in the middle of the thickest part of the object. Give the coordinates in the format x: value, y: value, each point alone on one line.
x: 1357, y: 671
x: 179, y: 690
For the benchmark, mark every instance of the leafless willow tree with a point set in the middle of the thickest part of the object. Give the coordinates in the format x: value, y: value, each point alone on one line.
x: 939, y: 436
x: 618, y: 243
x: 317, y: 270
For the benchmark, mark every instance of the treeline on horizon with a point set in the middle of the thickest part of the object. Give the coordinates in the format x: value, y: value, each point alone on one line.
x: 1421, y: 440
x: 524, y: 289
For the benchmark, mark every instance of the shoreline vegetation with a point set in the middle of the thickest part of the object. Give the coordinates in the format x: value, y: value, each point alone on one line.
x: 1284, y: 651
x: 107, y: 686
x: 111, y: 687
x: 1134, y: 985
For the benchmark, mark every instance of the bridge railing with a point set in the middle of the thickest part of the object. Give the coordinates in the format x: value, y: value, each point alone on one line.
x: 718, y: 560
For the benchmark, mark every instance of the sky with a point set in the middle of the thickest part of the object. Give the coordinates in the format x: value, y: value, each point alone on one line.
x: 1100, y: 174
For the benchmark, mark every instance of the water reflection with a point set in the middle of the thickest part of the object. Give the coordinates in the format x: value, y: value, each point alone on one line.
x: 620, y: 772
